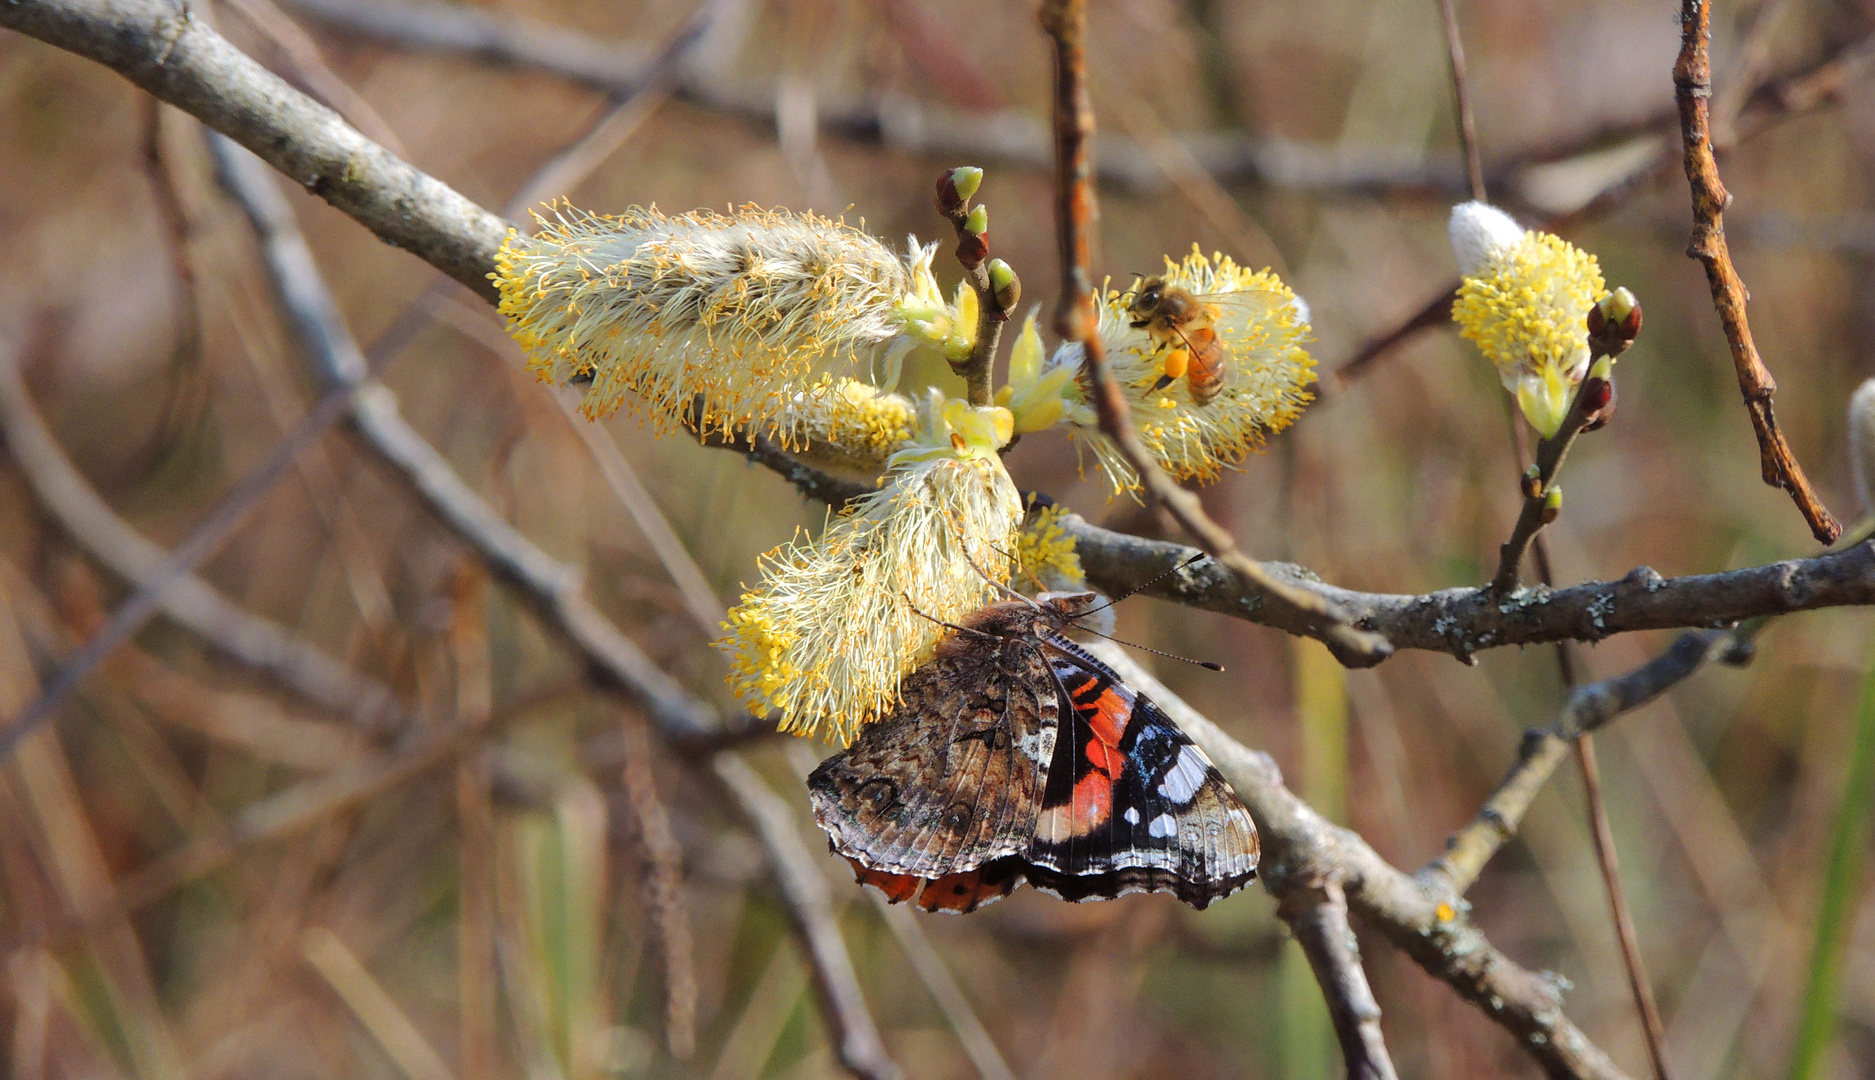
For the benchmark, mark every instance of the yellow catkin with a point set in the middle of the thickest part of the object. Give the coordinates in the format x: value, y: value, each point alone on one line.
x: 1045, y: 552
x: 848, y: 424
x: 1264, y: 328
x: 734, y: 311
x: 833, y: 625
x: 1524, y: 299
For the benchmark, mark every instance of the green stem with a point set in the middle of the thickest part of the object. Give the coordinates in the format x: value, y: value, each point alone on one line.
x: 1840, y: 879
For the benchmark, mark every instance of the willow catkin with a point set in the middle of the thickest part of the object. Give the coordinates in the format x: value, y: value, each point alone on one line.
x: 730, y: 313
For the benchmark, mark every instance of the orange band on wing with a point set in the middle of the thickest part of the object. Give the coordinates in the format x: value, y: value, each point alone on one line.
x: 897, y: 888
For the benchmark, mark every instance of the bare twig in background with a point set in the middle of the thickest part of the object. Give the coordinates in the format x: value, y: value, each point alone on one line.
x: 183, y: 61
x: 1589, y: 707
x: 1692, y: 80
x: 187, y: 349
x: 805, y: 891
x: 1307, y: 849
x: 1318, y: 917
x: 554, y: 587
x: 310, y: 68
x: 1625, y: 935
x: 664, y: 888
x: 188, y: 599
x: 1075, y: 320
x: 1461, y: 97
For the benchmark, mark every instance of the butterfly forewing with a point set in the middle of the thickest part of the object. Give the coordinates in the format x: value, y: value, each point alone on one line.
x: 1132, y: 804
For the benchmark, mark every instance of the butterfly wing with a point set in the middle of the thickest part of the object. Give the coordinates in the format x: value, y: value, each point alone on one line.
x: 1131, y: 803
x: 953, y: 778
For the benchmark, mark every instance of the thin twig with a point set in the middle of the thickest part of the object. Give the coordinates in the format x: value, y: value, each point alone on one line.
x: 1425, y: 923
x: 1692, y: 80
x: 664, y: 889
x: 973, y: 254
x: 1538, y: 486
x: 1318, y: 916
x: 1075, y: 320
x: 805, y: 892
x: 1461, y: 96
x: 1625, y: 935
x: 1589, y: 707
x: 190, y: 601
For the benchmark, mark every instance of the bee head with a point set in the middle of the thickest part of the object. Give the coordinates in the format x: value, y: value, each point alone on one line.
x: 1146, y: 296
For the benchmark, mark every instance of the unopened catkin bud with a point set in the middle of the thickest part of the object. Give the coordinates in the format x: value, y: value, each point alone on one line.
x: 1532, y: 483
x: 1552, y: 505
x: 965, y: 180
x: 1862, y: 441
x: 1624, y: 311
x: 955, y: 187
x: 1005, y: 286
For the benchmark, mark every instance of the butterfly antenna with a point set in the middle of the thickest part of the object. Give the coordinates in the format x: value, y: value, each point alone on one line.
x: 941, y: 622
x: 992, y: 582
x: 1206, y: 664
x: 1136, y: 590
x: 1026, y: 572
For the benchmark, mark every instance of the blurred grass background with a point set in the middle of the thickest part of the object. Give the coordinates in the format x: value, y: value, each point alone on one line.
x: 489, y: 918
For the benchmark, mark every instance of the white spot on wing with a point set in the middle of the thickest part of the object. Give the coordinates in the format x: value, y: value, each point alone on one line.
x: 1132, y: 815
x: 1038, y: 746
x: 1185, y: 776
x: 1163, y: 825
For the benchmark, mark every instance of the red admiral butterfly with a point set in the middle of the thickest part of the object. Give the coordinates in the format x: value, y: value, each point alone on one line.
x: 975, y: 783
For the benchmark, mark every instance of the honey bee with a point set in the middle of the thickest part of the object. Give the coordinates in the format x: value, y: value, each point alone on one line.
x: 1183, y: 326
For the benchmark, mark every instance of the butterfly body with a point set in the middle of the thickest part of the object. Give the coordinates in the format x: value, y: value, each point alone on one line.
x: 1017, y: 755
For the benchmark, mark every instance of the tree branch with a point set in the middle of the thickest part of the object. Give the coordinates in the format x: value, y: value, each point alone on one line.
x: 1464, y: 621
x: 1692, y: 81
x: 1588, y: 708
x: 1075, y: 320
x: 1302, y: 849
x: 180, y: 59
x: 1318, y: 916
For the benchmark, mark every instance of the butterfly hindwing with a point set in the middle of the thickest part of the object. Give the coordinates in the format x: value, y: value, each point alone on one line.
x: 1131, y: 803
x: 953, y: 778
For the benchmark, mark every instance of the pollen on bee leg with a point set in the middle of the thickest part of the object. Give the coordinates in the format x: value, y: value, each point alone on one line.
x: 1177, y: 362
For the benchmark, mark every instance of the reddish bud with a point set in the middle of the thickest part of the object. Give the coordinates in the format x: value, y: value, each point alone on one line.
x: 1596, y: 394
x: 955, y: 187
x: 972, y: 249
x: 1602, y: 413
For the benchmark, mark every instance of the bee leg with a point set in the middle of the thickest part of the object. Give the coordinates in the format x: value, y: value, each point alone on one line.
x: 1163, y: 382
x: 1139, y: 324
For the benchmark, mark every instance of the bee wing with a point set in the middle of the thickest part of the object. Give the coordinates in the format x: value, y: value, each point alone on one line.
x: 1246, y: 308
